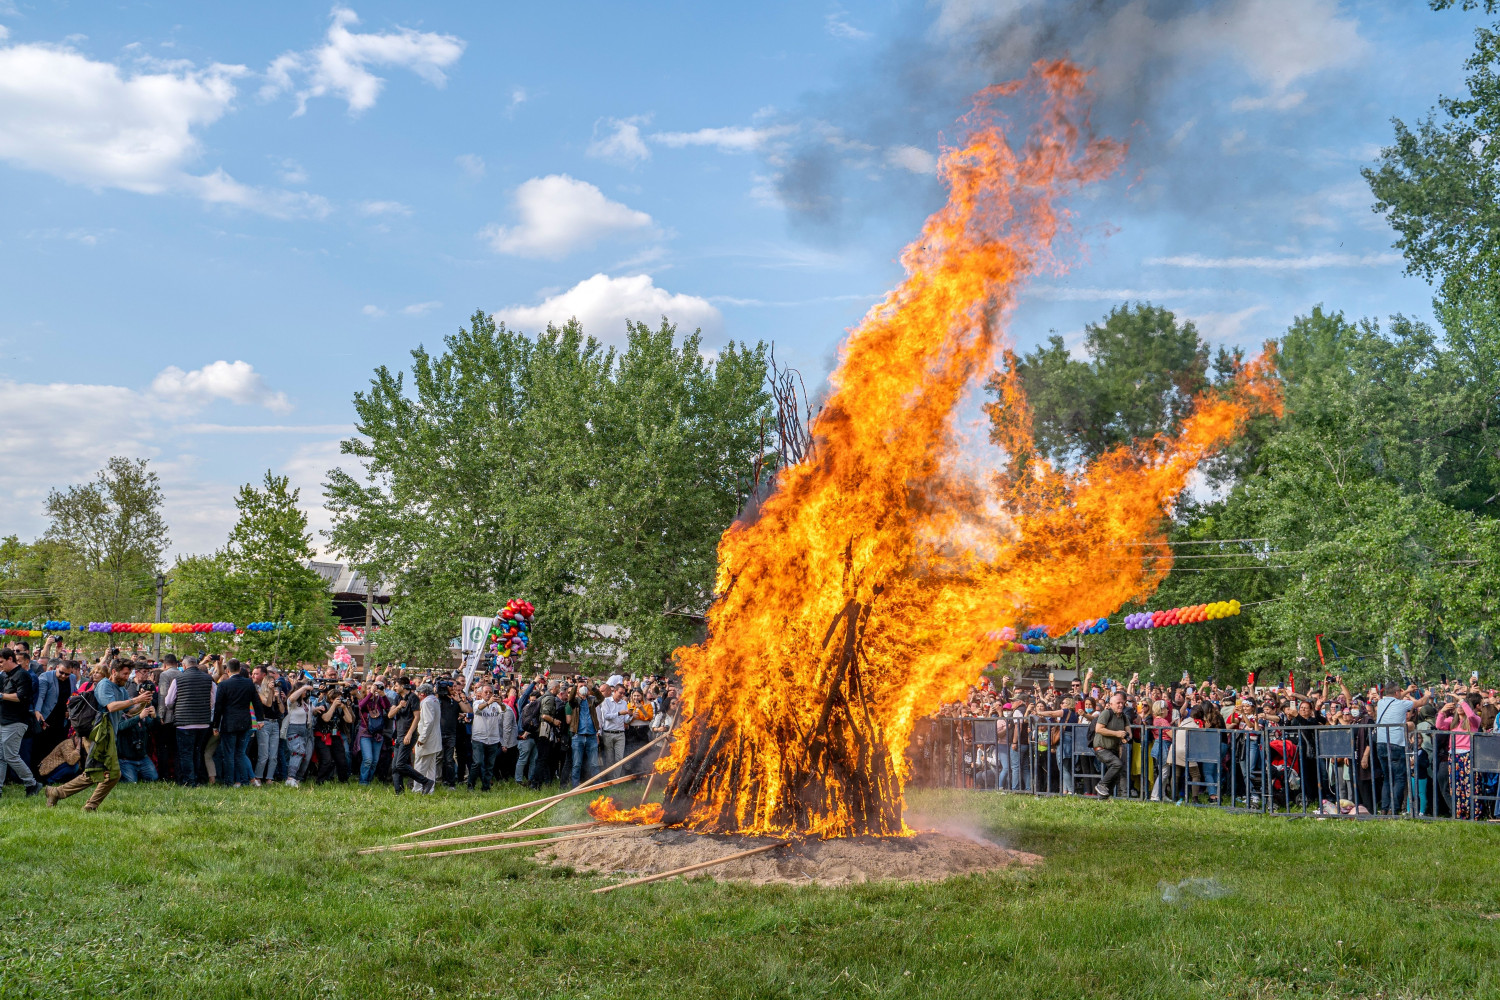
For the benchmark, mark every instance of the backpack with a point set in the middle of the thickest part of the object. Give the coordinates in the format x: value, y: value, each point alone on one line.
x: 83, y: 712
x: 375, y: 723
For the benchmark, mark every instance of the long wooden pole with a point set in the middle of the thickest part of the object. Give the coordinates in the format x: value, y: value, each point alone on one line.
x: 692, y: 868
x: 511, y: 809
x: 590, y: 785
x: 410, y: 844
x: 612, y: 832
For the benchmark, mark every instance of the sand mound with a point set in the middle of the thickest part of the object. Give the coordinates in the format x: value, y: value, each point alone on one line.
x: 927, y: 857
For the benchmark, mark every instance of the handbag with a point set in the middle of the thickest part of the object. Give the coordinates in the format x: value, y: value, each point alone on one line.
x: 69, y: 751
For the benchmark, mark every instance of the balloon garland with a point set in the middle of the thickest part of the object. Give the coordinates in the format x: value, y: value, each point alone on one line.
x: 1189, y: 615
x: 29, y: 633
x: 511, y: 633
x: 159, y: 628
x: 1090, y: 626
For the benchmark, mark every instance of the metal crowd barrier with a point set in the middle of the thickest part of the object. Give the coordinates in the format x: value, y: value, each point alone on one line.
x: 1359, y: 771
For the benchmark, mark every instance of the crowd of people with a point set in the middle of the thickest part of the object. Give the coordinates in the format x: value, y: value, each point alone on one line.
x: 1409, y: 748
x: 67, y: 725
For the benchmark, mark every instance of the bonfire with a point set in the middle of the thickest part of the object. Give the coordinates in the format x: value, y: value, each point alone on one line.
x: 864, y: 589
x: 862, y: 593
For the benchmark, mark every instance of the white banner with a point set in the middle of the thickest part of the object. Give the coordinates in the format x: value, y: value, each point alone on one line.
x: 476, y: 631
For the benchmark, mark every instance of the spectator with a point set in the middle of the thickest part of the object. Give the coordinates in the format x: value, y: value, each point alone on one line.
x: 191, y: 699
x: 638, y: 729
x: 508, y: 753
x: 1390, y: 744
x: 528, y: 743
x: 166, y: 718
x: 614, y: 712
x: 333, y: 717
x: 268, y: 736
x: 404, y: 714
x: 299, y: 737
x: 373, y: 709
x: 235, y: 700
x: 583, y: 725
x: 53, y: 689
x: 17, y: 694
x: 489, y: 715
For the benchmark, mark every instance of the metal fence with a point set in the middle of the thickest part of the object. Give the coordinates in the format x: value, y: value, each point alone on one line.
x: 1358, y: 772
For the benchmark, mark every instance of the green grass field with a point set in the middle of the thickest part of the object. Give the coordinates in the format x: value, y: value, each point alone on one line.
x: 258, y: 893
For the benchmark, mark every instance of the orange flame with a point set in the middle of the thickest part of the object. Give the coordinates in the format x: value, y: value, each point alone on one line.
x: 798, y: 723
x: 604, y: 810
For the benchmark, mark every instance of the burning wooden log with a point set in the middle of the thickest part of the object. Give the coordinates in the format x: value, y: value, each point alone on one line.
x: 692, y: 868
x: 837, y: 778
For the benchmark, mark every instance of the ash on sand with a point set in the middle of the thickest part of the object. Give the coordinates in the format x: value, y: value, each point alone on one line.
x: 926, y: 857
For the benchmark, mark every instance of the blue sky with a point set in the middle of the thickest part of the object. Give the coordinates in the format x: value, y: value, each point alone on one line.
x: 216, y: 219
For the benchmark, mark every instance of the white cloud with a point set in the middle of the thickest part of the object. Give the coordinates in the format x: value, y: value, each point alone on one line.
x: 518, y: 97
x: 621, y: 141
x: 1057, y: 293
x: 420, y: 308
x: 62, y: 433
x: 236, y: 381
x: 602, y: 305
x: 384, y: 208
x: 912, y: 158
x: 88, y: 122
x: 373, y: 311
x: 471, y: 164
x: 837, y: 24
x: 1278, y: 41
x: 1302, y: 263
x: 340, y: 66
x: 292, y: 172
x: 559, y: 214
x: 729, y: 139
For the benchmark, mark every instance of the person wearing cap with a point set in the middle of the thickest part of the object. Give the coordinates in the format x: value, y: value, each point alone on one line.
x: 427, y: 749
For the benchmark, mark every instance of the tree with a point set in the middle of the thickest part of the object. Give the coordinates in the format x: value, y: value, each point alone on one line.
x: 260, y: 575
x: 594, y: 483
x: 112, y: 535
x: 25, y: 591
x: 1142, y: 371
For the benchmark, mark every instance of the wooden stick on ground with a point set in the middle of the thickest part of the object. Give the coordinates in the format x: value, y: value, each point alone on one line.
x: 612, y: 832
x: 589, y: 785
x: 511, y: 809
x: 692, y: 868
x: 409, y: 845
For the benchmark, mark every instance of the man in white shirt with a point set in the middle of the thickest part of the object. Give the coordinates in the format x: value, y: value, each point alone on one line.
x: 488, y: 717
x: 614, y: 712
x: 429, y: 745
x: 1390, y: 742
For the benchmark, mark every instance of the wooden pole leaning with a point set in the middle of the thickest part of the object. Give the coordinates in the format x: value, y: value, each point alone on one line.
x: 590, y: 785
x: 412, y: 844
x: 692, y: 868
x: 612, y: 832
x: 516, y: 808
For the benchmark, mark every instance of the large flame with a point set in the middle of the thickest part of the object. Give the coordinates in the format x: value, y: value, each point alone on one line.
x: 861, y: 595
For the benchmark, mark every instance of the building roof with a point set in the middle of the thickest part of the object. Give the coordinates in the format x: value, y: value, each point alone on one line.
x: 346, y: 583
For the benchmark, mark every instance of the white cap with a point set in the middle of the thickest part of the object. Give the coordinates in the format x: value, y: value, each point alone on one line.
x: 615, y: 680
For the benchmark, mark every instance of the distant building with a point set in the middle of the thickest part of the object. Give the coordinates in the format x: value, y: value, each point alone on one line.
x: 351, y: 593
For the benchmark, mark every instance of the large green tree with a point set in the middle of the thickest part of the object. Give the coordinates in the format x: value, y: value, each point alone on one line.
x: 110, y: 535
x: 593, y: 482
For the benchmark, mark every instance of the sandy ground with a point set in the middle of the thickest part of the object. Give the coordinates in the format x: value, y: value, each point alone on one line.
x: 926, y: 857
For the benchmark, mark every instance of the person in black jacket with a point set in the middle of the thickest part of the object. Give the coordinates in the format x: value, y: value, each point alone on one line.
x: 233, y: 702
x: 16, y: 695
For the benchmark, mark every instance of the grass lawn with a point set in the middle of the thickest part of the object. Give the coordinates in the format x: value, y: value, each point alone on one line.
x: 258, y: 893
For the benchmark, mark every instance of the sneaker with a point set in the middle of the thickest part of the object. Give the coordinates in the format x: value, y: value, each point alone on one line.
x: 291, y: 783
x: 1101, y: 791
x: 254, y: 782
x: 32, y: 789
x: 429, y: 788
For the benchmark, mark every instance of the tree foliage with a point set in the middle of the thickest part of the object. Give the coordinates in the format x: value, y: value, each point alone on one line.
x: 593, y: 482
x: 110, y: 536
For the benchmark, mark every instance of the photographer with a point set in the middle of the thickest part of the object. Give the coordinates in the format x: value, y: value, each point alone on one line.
x: 489, y: 716
x: 299, y: 718
x: 329, y: 729
x: 372, y: 729
x: 449, y: 710
x: 102, y: 768
x: 1111, y: 733
x: 528, y: 744
x: 583, y: 725
x: 268, y: 737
